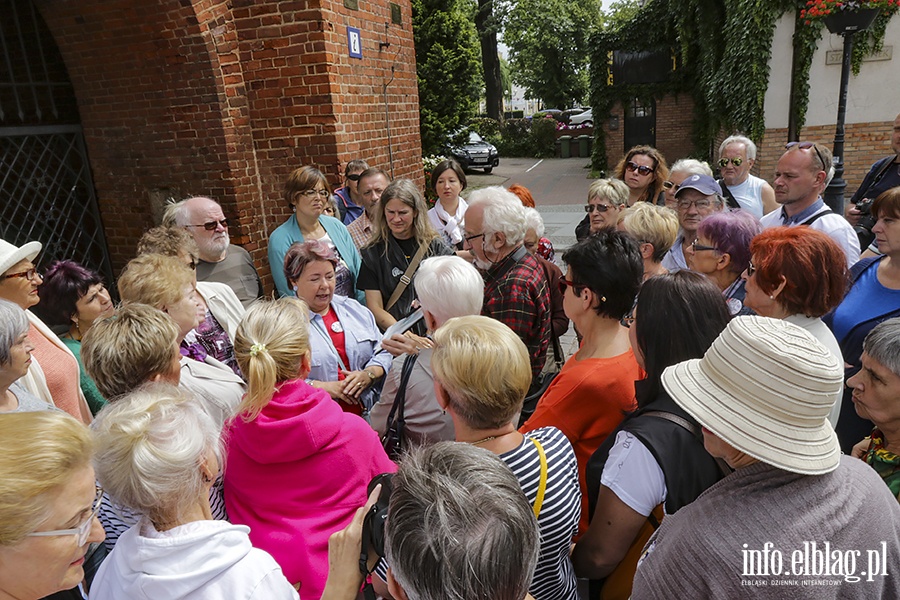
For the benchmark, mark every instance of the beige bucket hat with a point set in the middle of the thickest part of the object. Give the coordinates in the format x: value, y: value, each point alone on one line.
x: 765, y: 387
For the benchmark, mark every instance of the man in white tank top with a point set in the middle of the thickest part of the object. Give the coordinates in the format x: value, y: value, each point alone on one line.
x: 737, y: 154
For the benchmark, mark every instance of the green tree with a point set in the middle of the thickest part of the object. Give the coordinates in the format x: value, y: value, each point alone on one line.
x: 448, y: 67
x: 487, y: 23
x: 549, y: 50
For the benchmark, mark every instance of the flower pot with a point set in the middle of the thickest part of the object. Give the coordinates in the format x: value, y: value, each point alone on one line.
x: 850, y: 21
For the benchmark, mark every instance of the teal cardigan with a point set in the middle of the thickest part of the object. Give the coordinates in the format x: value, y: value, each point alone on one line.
x: 289, y: 232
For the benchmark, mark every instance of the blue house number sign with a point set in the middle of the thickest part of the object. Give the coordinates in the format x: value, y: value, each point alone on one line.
x: 354, y: 43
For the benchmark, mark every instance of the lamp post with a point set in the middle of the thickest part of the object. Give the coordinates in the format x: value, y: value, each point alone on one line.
x: 845, y: 23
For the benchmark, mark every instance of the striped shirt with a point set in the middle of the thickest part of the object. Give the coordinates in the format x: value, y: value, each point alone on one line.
x: 554, y: 577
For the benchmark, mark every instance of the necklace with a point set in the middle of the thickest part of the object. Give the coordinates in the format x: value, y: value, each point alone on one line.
x: 487, y: 439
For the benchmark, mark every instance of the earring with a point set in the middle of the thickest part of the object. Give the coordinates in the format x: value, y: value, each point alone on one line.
x: 771, y: 297
x: 295, y: 288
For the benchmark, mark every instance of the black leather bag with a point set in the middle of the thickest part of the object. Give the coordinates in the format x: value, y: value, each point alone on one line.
x: 394, y: 438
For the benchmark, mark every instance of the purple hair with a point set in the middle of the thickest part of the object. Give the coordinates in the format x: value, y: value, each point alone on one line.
x: 65, y: 282
x: 730, y: 232
x: 301, y: 254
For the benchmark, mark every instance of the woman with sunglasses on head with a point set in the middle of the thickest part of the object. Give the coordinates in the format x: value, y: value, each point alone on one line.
x: 654, y: 463
x: 306, y: 191
x: 643, y: 170
x: 798, y: 274
x: 595, y: 388
x: 73, y: 298
x: 48, y: 505
x: 54, y: 375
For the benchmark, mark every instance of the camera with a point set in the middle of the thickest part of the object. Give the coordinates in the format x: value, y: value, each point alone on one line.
x: 373, y: 525
x: 863, y: 229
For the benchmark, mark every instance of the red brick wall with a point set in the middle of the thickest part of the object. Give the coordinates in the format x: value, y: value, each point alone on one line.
x: 225, y: 98
x: 864, y: 143
x: 674, y: 119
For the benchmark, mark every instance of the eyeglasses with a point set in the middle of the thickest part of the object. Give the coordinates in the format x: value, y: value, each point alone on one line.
x: 628, y: 320
x: 469, y: 238
x: 354, y: 177
x: 29, y: 274
x: 807, y: 146
x: 81, y: 532
x: 193, y: 263
x: 698, y: 247
x: 212, y: 225
x: 589, y: 208
x: 669, y: 185
x: 314, y: 193
x: 750, y: 269
x: 737, y: 161
x: 641, y: 169
x: 576, y: 287
x: 700, y: 204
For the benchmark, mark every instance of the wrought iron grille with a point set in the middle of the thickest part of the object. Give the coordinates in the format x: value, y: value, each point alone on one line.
x: 46, y: 190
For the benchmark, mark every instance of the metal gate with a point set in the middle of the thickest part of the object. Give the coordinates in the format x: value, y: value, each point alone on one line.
x: 46, y: 191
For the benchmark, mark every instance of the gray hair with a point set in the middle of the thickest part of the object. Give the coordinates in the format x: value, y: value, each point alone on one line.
x: 150, y: 445
x: 503, y: 213
x: 459, y: 526
x: 882, y: 344
x: 13, y: 323
x: 534, y: 220
x: 692, y: 166
x: 175, y: 214
x: 739, y: 139
x: 613, y: 190
x: 449, y: 286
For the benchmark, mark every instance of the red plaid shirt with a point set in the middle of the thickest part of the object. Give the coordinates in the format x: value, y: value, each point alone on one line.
x: 516, y: 294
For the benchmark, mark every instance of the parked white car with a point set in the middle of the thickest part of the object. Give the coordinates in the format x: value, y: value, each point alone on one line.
x: 585, y: 118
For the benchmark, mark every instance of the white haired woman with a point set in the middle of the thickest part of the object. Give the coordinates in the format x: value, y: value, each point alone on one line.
x: 48, y: 504
x: 15, y: 358
x: 481, y: 375
x: 762, y: 394
x: 158, y: 453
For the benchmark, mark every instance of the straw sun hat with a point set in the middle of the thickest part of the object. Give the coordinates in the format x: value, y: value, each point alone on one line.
x: 765, y: 387
x: 10, y: 255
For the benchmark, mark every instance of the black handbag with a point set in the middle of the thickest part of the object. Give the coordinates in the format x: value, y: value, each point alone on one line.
x: 540, y: 383
x: 394, y: 438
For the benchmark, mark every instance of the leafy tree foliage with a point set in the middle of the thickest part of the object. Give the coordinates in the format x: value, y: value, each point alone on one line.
x: 549, y: 50
x: 487, y: 23
x: 448, y: 67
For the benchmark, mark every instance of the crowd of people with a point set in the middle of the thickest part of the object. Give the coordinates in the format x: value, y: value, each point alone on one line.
x: 401, y: 420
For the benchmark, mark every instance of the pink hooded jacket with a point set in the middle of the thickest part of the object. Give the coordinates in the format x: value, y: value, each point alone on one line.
x: 296, y: 474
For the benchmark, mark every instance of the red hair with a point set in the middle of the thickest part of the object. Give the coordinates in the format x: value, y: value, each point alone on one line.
x: 524, y: 195
x: 813, y: 265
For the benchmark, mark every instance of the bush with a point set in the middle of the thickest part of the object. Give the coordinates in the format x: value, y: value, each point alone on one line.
x: 515, y: 138
x: 543, y: 137
x: 486, y: 127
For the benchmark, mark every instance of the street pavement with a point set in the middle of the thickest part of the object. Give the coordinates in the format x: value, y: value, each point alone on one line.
x: 559, y: 187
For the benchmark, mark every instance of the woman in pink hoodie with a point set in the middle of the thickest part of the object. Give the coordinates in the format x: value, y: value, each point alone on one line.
x: 297, y: 465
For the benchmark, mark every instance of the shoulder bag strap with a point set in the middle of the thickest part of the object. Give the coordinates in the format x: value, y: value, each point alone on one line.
x: 684, y: 423
x: 399, y: 406
x: 816, y: 217
x: 557, y: 349
x: 542, y: 486
x: 407, y: 277
x: 729, y: 197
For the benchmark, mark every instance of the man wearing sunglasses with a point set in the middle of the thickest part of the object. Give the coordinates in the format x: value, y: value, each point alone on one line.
x: 219, y: 260
x: 801, y: 175
x: 737, y: 154
x: 349, y: 200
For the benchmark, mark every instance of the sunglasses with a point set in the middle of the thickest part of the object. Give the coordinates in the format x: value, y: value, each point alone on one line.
x: 669, y: 185
x: 641, y: 169
x: 576, y: 287
x: 738, y: 161
x: 698, y: 247
x: 807, y: 146
x: 589, y: 208
x: 29, y: 274
x: 211, y: 225
x: 750, y: 269
x: 354, y: 177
